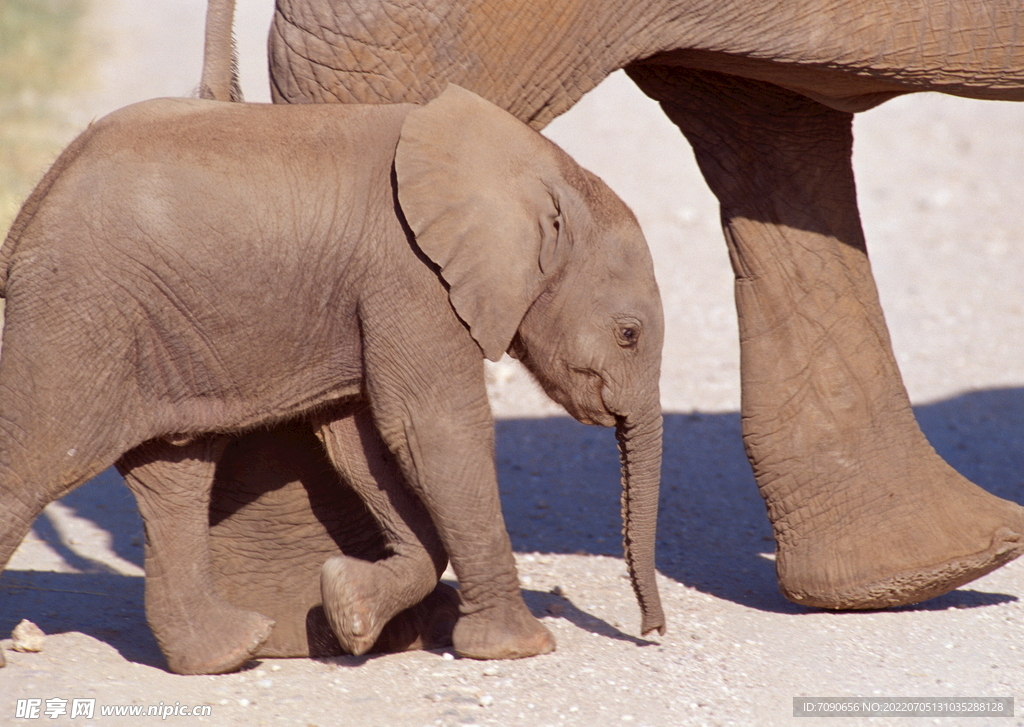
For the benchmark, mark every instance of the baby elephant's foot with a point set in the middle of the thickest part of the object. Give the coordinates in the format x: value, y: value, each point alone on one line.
x: 223, y: 644
x: 427, y: 625
x: 355, y: 606
x: 505, y: 631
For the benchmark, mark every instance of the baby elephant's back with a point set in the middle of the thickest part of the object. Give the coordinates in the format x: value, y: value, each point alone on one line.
x: 254, y: 190
x: 202, y: 224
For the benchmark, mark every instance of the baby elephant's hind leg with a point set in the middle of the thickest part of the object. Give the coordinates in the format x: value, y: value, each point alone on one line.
x: 361, y: 597
x: 198, y: 632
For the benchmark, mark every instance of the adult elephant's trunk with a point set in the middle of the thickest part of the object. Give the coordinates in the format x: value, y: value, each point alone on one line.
x: 639, y: 437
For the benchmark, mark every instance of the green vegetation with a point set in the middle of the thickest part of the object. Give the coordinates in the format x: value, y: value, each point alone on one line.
x: 41, y: 57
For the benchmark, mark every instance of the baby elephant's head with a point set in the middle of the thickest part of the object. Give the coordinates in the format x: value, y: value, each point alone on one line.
x: 544, y: 261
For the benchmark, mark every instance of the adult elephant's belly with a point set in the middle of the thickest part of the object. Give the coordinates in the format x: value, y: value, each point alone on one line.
x: 839, y: 89
x: 844, y: 86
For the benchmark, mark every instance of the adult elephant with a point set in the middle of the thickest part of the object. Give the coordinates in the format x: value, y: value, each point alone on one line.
x: 865, y: 513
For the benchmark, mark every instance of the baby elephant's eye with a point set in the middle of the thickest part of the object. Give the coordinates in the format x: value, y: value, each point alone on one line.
x: 628, y: 336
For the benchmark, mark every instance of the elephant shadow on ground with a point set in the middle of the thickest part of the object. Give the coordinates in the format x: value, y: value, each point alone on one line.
x: 560, y: 494
x: 540, y: 603
x: 108, y: 607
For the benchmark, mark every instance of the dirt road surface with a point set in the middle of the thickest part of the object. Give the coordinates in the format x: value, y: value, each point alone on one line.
x: 942, y: 197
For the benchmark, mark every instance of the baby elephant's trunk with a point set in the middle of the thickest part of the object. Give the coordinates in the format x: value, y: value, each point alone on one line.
x: 639, y: 438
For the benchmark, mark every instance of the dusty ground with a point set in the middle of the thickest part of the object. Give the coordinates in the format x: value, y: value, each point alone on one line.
x: 942, y: 194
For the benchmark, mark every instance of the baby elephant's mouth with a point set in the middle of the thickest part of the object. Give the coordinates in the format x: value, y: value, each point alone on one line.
x: 589, y: 407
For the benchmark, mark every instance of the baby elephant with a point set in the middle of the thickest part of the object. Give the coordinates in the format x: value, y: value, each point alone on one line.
x: 189, y: 269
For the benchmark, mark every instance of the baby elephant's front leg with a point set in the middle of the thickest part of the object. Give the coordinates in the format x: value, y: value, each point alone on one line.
x: 198, y: 631
x: 360, y: 597
x: 453, y: 466
x: 425, y: 383
x: 460, y: 487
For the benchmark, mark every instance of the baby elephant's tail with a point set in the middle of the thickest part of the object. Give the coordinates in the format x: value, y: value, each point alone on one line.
x: 5, y: 263
x: 25, y: 215
x: 32, y: 204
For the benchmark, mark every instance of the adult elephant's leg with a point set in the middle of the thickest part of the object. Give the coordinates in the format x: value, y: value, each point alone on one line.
x: 865, y: 513
x: 361, y: 596
x: 198, y: 631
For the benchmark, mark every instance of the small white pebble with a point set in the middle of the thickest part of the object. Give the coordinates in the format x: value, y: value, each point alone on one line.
x: 243, y: 702
x: 265, y: 683
x: 27, y: 637
x: 491, y: 671
x: 275, y: 667
x: 448, y: 656
x: 627, y: 718
x: 574, y: 708
x: 485, y: 700
x: 224, y: 702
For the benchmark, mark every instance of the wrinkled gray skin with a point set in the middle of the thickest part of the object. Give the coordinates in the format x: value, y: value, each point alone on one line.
x: 865, y: 513
x: 278, y: 513
x: 189, y: 269
x: 285, y: 487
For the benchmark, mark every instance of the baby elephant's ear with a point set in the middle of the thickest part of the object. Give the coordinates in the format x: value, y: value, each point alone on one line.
x: 480, y: 191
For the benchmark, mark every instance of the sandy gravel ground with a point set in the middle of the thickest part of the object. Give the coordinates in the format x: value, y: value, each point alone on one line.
x: 942, y: 198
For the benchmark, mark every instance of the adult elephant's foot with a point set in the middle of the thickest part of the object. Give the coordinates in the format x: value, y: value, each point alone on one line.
x: 505, y: 631
x: 896, y: 538
x: 223, y: 642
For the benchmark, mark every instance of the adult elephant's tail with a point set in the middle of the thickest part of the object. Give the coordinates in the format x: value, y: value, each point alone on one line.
x: 220, y: 59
